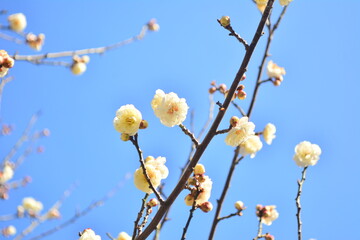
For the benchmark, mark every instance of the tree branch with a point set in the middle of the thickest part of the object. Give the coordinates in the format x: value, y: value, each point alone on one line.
x: 298, y: 204
x: 190, y: 134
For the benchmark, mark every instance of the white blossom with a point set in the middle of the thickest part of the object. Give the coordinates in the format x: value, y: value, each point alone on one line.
x: 269, y: 133
x: 30, y: 204
x: 250, y: 146
x: 17, y: 22
x: 240, y: 133
x: 89, y: 234
x: 274, y: 71
x: 6, y: 174
x: 169, y: 108
x: 306, y: 154
x: 123, y: 236
x: 127, y: 120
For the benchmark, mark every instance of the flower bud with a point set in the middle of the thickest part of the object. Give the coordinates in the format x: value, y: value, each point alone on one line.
x: 143, y: 124
x: 153, y: 26
x: 277, y: 82
x: 225, y: 21
x: 8, y: 231
x: 234, y: 121
x: 240, y: 87
x: 206, y: 207
x: 199, y: 169
x: 241, y: 95
x: 222, y: 88
x: 189, y: 200
x: 212, y: 90
x: 239, y: 205
x: 125, y: 137
x: 78, y: 68
x: 53, y: 214
x: 153, y: 202
x: 269, y: 237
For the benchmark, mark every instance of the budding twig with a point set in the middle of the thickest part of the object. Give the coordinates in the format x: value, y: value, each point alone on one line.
x: 140, y: 213
x: 190, y: 134
x: 298, y: 204
x: 191, y: 214
x: 236, y: 35
x: 134, y: 140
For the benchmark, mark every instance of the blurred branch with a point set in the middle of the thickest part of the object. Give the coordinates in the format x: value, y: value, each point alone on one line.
x: 298, y: 204
x: 37, y: 58
x: 134, y: 140
x: 83, y: 212
x: 211, y: 133
x: 259, y: 233
x: 11, y: 38
x: 3, y: 82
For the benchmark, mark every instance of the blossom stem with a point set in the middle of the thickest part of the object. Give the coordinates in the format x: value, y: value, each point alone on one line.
x: 134, y: 140
x: 140, y: 213
x: 223, y: 131
x: 191, y: 214
x: 190, y: 134
x: 211, y: 133
x: 229, y: 216
x: 259, y: 233
x: 266, y: 54
x: 298, y: 204
x: 236, y: 35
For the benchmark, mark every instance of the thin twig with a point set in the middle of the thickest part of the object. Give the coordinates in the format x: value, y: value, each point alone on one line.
x: 211, y: 133
x: 99, y: 50
x: 190, y: 134
x: 146, y: 217
x: 266, y: 80
x: 8, y: 217
x: 3, y: 82
x: 236, y: 35
x: 191, y: 214
x: 11, y: 39
x: 298, y: 204
x: 259, y: 233
x: 140, y: 213
x: 24, y: 137
x: 223, y: 131
x: 242, y: 112
x: 109, y: 236
x: 134, y: 141
x: 84, y: 212
x: 51, y: 63
x: 228, y: 216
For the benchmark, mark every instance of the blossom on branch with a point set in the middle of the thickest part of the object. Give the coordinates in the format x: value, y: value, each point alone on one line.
x: 269, y: 133
x: 250, y: 146
x: 123, y: 236
x: 89, y: 234
x: 240, y: 133
x: 79, y: 64
x: 169, y: 108
x: 6, y: 62
x: 7, y: 173
x: 306, y: 154
x: 127, y: 120
x: 155, y: 169
x: 17, y: 22
x: 35, y: 42
x: 267, y: 214
x: 31, y: 205
x: 8, y: 231
x: 274, y: 71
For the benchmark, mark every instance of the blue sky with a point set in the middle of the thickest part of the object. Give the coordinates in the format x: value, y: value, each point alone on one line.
x: 317, y: 43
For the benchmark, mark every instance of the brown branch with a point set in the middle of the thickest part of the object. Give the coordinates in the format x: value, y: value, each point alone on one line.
x: 236, y: 35
x: 99, y: 50
x: 140, y: 213
x: 266, y: 54
x: 239, y: 108
x: 191, y: 214
x: 298, y: 204
x: 226, y: 187
x: 190, y: 134
x: 211, y: 133
x: 146, y: 217
x: 134, y: 140
x: 229, y: 216
x: 84, y: 212
x: 223, y: 131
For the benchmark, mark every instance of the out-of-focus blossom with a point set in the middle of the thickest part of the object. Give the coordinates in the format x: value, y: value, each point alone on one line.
x: 17, y: 22
x: 306, y: 154
x: 127, y: 120
x: 35, y: 42
x: 31, y: 205
x: 239, y: 205
x: 7, y: 173
x: 89, y: 234
x: 6, y: 62
x: 250, y: 146
x: 8, y: 231
x: 274, y: 71
x: 284, y: 2
x: 240, y: 133
x: 123, y: 236
x: 153, y: 25
x: 169, y: 108
x: 269, y: 133
x: 78, y: 66
x: 268, y: 214
x: 156, y: 170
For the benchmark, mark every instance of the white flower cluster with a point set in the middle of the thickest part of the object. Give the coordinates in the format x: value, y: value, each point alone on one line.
x: 156, y: 170
x: 6, y: 62
x: 17, y: 22
x: 306, y: 154
x: 268, y: 214
x: 89, y: 234
x: 31, y: 205
x: 169, y: 108
x: 127, y: 120
x: 276, y: 72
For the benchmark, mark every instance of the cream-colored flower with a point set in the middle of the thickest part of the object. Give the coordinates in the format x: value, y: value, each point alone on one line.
x: 261, y: 7
x: 239, y: 205
x: 89, y: 234
x: 306, y: 154
x: 261, y: 1
x: 123, y: 236
x: 127, y: 120
x: 270, y: 215
x: 250, y: 146
x: 274, y: 71
x: 284, y: 2
x: 78, y: 68
x: 30, y: 204
x: 155, y: 169
x: 199, y: 169
x: 6, y: 62
x: 242, y: 131
x: 269, y: 133
x: 6, y: 174
x: 35, y: 42
x: 8, y: 231
x: 17, y: 22
x: 204, y: 195
x: 169, y: 108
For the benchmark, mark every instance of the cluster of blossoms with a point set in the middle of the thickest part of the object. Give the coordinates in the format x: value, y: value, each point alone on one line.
x: 239, y: 93
x: 128, y: 121
x: 79, y: 64
x: 8, y: 231
x: 17, y: 22
x: 155, y: 169
x: 267, y: 214
x: 261, y: 4
x: 31, y: 205
x: 200, y: 190
x: 6, y: 62
x: 169, y: 108
x: 276, y: 72
x: 6, y: 173
x: 35, y: 41
x: 306, y: 154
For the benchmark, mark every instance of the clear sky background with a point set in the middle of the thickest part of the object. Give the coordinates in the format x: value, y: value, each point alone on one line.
x: 317, y: 43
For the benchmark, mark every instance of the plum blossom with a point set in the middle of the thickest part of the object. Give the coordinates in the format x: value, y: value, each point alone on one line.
x: 306, y: 154
x: 240, y: 133
x: 127, y: 120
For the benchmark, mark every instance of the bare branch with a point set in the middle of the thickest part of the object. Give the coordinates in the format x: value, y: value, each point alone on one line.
x: 190, y: 134
x: 298, y: 204
x: 236, y: 35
